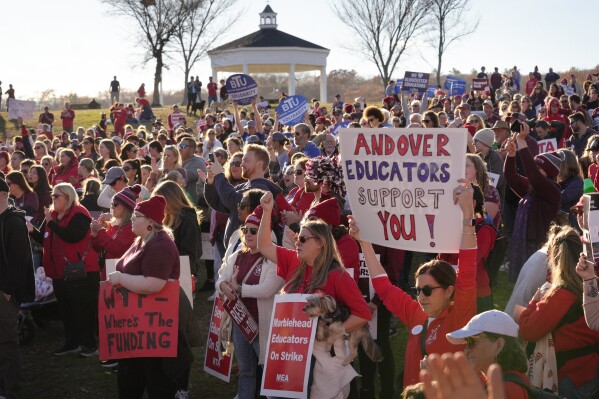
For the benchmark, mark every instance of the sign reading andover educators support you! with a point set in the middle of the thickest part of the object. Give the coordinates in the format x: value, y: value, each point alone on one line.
x: 292, y: 110
x: 400, y: 184
x: 138, y: 325
x: 242, y: 88
x: 289, y: 348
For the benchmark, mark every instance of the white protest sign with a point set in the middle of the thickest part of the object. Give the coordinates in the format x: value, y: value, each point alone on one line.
x: 184, y: 275
x: 207, y: 247
x: 547, y: 145
x: 493, y: 179
x: 400, y: 184
x: 365, y: 285
x: 20, y: 108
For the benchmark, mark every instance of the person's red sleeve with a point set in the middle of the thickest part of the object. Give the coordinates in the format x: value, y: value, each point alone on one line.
x: 542, y: 317
x: 117, y: 246
x: 485, y: 241
x: 348, y: 293
x: 592, y: 172
x: 350, y: 255
x: 286, y: 258
x: 304, y: 202
x: 396, y: 300
x: 465, y: 286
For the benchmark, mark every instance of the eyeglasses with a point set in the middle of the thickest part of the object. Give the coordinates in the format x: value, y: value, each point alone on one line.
x: 114, y: 204
x: 252, y: 230
x: 472, y: 341
x: 55, y: 196
x: 126, y: 168
x: 426, y: 121
x: 427, y: 290
x: 303, y: 239
x: 474, y: 121
x: 237, y: 164
x: 298, y: 172
x: 242, y: 205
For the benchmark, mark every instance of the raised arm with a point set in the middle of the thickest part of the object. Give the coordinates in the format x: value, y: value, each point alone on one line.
x: 237, y: 119
x: 257, y: 117
x: 265, y: 244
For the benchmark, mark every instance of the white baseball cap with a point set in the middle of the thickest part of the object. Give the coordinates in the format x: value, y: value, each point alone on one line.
x: 491, y: 321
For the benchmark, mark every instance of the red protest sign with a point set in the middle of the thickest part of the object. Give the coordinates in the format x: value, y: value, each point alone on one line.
x: 138, y: 325
x: 480, y: 84
x: 242, y: 318
x: 289, y: 348
x: 219, y: 368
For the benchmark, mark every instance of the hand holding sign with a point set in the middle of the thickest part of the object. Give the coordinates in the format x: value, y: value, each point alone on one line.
x: 354, y: 230
x: 585, y: 269
x: 463, y: 194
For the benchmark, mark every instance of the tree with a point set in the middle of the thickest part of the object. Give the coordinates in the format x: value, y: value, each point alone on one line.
x: 196, y: 34
x: 448, y: 18
x: 158, y: 22
x: 383, y: 29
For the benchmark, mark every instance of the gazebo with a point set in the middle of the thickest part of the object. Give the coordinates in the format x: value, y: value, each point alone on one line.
x: 270, y: 50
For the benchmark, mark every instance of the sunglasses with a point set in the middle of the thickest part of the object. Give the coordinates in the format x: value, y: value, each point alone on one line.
x: 114, y: 204
x: 472, y: 341
x: 474, y: 121
x: 299, y: 172
x: 426, y: 120
x: 252, y: 230
x: 303, y: 239
x: 38, y: 147
x: 242, y: 205
x: 237, y: 164
x: 427, y: 290
x: 126, y: 168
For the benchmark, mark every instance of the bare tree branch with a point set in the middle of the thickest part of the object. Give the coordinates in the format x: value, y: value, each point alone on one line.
x: 450, y: 25
x: 384, y: 29
x: 157, y: 22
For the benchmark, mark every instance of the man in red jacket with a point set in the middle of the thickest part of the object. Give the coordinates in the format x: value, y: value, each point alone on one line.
x: 67, y: 115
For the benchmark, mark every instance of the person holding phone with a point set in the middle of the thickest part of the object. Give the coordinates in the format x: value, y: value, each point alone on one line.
x: 540, y: 197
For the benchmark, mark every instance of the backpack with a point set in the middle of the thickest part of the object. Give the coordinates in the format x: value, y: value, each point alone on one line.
x: 533, y: 392
x: 497, y: 254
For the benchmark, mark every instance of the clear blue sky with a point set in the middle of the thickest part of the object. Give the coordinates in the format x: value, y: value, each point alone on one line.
x: 76, y: 46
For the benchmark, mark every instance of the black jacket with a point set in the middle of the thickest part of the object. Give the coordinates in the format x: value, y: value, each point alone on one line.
x: 188, y: 237
x: 16, y: 263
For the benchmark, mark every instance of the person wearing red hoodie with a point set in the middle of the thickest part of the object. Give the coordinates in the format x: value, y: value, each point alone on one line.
x: 67, y: 170
x: 553, y: 114
x: 446, y: 300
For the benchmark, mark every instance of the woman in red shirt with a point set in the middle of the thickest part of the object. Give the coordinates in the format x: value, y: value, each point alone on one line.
x: 68, y: 167
x: 559, y: 312
x: 315, y: 266
x: 434, y: 313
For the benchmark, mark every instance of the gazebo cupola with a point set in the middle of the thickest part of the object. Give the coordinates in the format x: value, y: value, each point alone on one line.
x: 268, y: 18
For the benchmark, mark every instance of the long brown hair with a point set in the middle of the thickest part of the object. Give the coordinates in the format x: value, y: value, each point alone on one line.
x: 482, y: 178
x: 564, y: 250
x: 328, y: 258
x: 176, y: 201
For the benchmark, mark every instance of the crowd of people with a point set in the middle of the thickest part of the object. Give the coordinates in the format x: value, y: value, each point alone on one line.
x: 273, y: 201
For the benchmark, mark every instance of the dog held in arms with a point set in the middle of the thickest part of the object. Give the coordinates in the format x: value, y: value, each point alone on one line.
x: 330, y: 328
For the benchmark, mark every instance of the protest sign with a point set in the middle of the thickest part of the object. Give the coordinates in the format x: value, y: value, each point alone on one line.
x: 430, y: 92
x: 242, y: 318
x: 547, y: 145
x: 590, y: 226
x: 458, y: 87
x: 480, y: 84
x: 289, y: 348
x: 400, y: 184
x: 449, y: 80
x: 215, y: 363
x: 242, y: 88
x: 138, y: 325
x: 334, y: 130
x: 398, y: 84
x: 184, y: 274
x: 292, y: 110
x: 415, y: 82
x: 493, y: 179
x: 20, y: 108
x: 367, y: 289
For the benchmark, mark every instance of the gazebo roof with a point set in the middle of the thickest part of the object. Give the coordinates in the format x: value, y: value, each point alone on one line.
x: 267, y: 38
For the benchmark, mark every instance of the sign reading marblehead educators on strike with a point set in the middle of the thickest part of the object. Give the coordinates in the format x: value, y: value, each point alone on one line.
x: 138, y: 325
x: 289, y: 348
x: 292, y: 110
x: 242, y: 88
x: 400, y: 184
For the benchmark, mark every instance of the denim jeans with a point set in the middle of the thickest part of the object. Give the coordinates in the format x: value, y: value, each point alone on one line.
x: 585, y: 391
x: 247, y: 361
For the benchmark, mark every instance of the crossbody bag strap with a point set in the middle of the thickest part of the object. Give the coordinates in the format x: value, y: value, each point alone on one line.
x: 259, y: 261
x: 423, y: 338
x: 89, y: 243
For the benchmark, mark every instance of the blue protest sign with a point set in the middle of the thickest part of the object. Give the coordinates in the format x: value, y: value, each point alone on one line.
x: 398, y: 84
x: 242, y: 88
x: 292, y: 110
x: 458, y: 87
x: 449, y: 80
x: 430, y: 92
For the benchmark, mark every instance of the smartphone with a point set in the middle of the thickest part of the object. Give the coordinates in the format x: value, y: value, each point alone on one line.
x: 211, y: 157
x: 515, y: 127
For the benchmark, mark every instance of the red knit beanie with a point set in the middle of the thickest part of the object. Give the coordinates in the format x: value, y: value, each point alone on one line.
x: 255, y: 217
x: 153, y: 208
x: 328, y: 211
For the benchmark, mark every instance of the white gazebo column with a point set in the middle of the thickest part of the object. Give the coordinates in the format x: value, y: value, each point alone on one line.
x: 246, y: 69
x: 323, y: 84
x: 291, y: 79
x: 214, y: 74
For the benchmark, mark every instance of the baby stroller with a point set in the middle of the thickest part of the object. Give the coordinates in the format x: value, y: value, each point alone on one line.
x: 33, y: 314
